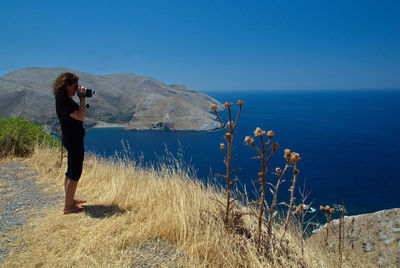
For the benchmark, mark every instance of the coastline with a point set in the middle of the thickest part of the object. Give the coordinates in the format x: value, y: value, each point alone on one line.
x: 109, y: 125
x: 127, y: 127
x: 105, y: 125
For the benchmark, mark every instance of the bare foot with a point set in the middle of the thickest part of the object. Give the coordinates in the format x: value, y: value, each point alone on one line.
x: 75, y: 209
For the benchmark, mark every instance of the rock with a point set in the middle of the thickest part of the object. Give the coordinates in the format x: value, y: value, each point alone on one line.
x: 376, y: 236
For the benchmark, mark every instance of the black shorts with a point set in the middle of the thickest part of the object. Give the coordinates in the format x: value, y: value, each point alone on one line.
x: 74, y: 145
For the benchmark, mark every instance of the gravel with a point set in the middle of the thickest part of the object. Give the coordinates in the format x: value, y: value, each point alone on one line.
x: 21, y: 197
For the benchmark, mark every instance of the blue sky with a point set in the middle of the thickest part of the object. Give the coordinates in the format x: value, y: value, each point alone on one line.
x: 211, y: 45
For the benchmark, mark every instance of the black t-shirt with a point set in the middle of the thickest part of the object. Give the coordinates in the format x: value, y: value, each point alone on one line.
x: 64, y: 107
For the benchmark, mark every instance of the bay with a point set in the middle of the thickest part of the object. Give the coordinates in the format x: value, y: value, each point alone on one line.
x: 347, y: 139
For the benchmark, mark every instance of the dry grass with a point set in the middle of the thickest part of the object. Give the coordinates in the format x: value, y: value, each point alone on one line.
x: 130, y: 205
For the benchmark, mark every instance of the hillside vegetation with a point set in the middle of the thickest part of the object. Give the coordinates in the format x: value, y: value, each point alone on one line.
x: 130, y: 205
x: 18, y: 137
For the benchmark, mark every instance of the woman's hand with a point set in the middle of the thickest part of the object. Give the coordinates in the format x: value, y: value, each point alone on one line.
x: 81, y: 92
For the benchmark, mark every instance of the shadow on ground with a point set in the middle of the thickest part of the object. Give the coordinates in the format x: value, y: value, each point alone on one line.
x: 101, y: 211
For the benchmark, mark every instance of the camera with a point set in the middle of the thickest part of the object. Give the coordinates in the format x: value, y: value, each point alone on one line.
x: 89, y: 93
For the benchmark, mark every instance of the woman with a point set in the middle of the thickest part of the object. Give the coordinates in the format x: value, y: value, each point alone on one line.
x: 71, y: 117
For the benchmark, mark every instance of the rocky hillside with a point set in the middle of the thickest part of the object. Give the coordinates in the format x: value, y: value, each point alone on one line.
x: 375, y: 236
x: 133, y: 101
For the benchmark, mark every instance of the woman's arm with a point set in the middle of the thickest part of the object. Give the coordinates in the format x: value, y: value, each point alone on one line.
x: 82, y: 111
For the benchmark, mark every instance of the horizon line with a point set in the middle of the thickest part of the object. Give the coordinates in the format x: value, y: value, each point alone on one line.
x: 301, y: 89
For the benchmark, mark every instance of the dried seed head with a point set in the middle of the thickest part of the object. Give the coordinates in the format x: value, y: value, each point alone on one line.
x: 294, y: 207
x: 228, y: 136
x: 227, y: 104
x: 270, y: 134
x: 321, y: 208
x: 213, y: 107
x: 327, y: 208
x: 258, y: 132
x: 287, y: 154
x: 295, y: 157
x: 301, y: 207
x: 229, y: 123
x: 278, y: 170
x: 248, y: 140
x: 296, y: 172
x: 240, y: 102
x: 222, y: 146
x: 332, y: 210
x: 275, y: 146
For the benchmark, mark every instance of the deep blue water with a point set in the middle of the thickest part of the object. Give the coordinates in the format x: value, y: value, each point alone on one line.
x: 348, y: 142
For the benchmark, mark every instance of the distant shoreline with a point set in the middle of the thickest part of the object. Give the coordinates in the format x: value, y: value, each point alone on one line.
x: 106, y: 125
x: 126, y: 127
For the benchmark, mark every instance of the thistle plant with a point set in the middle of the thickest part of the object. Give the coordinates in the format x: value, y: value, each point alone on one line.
x: 272, y: 209
x: 345, y: 237
x: 292, y: 159
x: 328, y: 212
x: 265, y: 154
x: 299, y: 211
x: 227, y: 150
x: 343, y: 232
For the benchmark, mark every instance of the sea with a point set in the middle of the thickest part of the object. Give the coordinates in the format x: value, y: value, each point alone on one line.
x: 348, y: 141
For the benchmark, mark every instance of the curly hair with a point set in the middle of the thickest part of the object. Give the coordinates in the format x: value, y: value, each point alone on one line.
x: 61, y: 82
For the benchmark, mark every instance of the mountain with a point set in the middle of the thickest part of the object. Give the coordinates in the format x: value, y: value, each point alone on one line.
x: 129, y: 100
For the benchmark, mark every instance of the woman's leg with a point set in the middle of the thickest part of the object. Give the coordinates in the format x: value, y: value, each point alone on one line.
x: 75, y: 163
x: 70, y: 189
x: 76, y: 201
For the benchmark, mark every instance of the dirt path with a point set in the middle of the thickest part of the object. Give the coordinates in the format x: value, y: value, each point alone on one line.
x: 21, y: 197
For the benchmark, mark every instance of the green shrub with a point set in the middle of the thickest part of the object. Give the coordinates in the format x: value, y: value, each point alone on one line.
x: 18, y: 137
